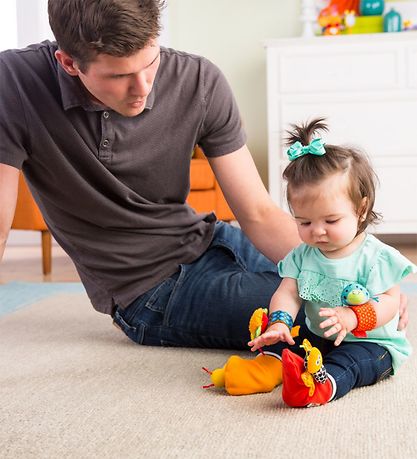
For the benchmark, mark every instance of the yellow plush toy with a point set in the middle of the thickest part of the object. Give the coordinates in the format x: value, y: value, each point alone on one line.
x: 250, y: 376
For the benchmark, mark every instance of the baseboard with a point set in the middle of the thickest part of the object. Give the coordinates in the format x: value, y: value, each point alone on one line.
x: 25, y: 238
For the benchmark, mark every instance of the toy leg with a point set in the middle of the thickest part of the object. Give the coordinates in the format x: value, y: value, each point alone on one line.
x: 244, y: 377
x: 298, y: 386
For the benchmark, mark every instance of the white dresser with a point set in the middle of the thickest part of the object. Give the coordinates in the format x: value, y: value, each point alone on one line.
x: 366, y: 87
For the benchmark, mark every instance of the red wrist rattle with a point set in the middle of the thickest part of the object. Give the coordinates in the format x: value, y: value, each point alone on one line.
x: 366, y: 315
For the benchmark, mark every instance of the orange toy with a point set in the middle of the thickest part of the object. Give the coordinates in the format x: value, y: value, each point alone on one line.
x: 340, y: 6
x: 250, y: 376
x: 332, y: 18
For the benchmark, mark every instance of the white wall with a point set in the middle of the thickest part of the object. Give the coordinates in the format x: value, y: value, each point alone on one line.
x: 231, y: 34
x: 32, y: 22
x: 8, y: 25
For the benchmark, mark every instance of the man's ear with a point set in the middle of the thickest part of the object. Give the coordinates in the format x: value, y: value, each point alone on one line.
x: 363, y: 209
x: 67, y: 62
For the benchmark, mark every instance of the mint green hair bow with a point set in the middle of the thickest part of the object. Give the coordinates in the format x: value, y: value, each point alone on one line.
x: 297, y: 149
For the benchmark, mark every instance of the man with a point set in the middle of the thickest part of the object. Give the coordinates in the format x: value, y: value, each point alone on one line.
x: 103, y: 123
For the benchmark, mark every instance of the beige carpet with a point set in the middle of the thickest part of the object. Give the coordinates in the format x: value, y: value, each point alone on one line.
x: 72, y: 386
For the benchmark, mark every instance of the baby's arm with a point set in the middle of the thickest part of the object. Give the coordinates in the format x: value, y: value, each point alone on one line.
x: 285, y: 299
x: 342, y: 320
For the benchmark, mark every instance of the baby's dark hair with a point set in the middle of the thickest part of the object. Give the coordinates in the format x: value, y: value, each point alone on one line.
x: 311, y: 169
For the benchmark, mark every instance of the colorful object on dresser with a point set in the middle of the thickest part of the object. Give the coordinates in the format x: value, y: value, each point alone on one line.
x: 250, y: 376
x: 305, y: 381
x: 341, y: 6
x: 357, y: 297
x: 339, y: 16
x: 371, y: 7
x: 392, y: 21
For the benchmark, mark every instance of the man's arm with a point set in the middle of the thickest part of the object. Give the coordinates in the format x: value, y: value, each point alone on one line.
x: 272, y: 230
x: 9, y: 180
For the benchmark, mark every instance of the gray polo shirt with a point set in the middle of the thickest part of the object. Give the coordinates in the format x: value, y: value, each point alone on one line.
x: 112, y: 189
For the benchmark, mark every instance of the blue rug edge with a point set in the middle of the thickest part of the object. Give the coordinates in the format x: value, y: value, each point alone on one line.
x: 31, y: 292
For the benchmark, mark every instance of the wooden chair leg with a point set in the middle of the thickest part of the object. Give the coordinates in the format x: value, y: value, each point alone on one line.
x: 46, y: 252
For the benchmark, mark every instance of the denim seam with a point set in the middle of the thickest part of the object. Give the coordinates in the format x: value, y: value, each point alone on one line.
x: 123, y: 323
x: 195, y: 335
x: 178, y: 283
x: 385, y: 374
x: 224, y: 243
x: 154, y: 297
x: 388, y: 371
x: 381, y: 357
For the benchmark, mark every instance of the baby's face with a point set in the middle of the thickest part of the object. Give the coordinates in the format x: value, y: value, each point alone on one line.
x: 326, y: 217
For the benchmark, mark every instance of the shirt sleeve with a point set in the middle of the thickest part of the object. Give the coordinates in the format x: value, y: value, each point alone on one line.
x: 290, y: 266
x: 221, y: 131
x: 390, y: 268
x: 12, y: 120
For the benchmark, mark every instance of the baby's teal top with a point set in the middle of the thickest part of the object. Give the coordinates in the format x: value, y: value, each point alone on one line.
x: 321, y: 280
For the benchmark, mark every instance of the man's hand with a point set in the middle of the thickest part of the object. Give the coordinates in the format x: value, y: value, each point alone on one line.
x: 403, y: 321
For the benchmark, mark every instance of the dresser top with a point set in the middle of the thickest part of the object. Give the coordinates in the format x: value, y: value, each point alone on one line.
x: 408, y: 36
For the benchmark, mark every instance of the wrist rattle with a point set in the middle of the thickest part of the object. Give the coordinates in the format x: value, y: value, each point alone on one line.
x: 357, y: 297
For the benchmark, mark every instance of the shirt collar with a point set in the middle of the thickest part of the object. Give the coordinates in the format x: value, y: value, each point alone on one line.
x: 74, y: 94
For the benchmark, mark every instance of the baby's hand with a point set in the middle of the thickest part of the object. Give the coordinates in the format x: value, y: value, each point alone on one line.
x: 340, y: 320
x: 273, y: 334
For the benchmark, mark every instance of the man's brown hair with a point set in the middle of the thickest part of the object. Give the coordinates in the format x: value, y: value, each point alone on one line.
x: 86, y: 28
x: 311, y: 169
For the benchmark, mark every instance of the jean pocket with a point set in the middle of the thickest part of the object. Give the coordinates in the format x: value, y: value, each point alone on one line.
x: 159, y: 298
x: 141, y: 320
x: 135, y: 332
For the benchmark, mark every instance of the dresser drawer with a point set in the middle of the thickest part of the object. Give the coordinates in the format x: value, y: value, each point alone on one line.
x: 357, y: 68
x: 381, y: 125
x: 395, y: 197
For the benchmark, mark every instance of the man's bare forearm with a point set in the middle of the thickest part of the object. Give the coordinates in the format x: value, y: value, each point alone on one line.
x: 2, y: 247
x: 9, y: 179
x: 274, y: 233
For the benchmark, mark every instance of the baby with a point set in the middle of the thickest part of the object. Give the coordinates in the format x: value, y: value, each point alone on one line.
x: 331, y: 193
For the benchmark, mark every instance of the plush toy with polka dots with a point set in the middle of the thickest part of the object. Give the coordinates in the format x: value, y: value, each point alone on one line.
x: 357, y: 297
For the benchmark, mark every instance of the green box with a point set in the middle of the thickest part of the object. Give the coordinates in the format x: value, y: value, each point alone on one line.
x: 367, y: 24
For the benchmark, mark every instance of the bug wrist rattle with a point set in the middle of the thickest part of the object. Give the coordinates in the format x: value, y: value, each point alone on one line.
x: 357, y: 298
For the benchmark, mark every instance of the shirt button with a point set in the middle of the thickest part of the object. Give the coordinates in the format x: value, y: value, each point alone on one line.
x: 105, y: 143
x: 106, y: 115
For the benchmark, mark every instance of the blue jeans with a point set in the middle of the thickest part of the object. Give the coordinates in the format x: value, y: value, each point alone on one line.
x: 207, y: 303
x: 351, y: 365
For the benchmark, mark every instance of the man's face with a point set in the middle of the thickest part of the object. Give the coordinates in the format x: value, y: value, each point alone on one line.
x: 120, y: 83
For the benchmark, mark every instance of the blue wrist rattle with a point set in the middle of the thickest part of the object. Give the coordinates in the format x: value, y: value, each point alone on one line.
x: 354, y: 295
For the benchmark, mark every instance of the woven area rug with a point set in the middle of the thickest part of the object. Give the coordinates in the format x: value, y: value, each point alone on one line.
x: 16, y: 295
x: 73, y: 386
